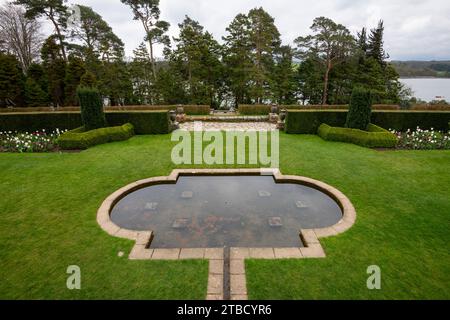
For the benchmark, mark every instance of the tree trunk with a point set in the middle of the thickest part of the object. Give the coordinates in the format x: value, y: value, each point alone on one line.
x: 152, y: 59
x: 61, y: 42
x: 325, y: 86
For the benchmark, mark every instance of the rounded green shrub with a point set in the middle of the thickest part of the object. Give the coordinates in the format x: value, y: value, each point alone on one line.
x: 360, y: 109
x: 92, y: 115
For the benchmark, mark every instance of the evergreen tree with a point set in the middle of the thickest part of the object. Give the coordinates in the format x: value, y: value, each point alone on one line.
x: 34, y: 95
x: 309, y: 80
x: 88, y: 80
x: 148, y: 13
x: 265, y: 42
x: 375, y: 49
x: 330, y: 45
x: 54, y: 10
x: 11, y: 81
x: 237, y: 59
x: 55, y: 69
x: 197, y: 57
x: 141, y: 76
x: 283, y: 77
x: 75, y: 70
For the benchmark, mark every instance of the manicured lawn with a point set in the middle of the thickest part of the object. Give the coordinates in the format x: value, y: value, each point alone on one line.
x: 48, y: 207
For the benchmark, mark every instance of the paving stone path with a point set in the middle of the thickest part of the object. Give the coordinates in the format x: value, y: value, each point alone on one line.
x: 227, y: 126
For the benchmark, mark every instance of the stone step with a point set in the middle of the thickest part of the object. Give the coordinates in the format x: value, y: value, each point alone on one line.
x: 213, y: 118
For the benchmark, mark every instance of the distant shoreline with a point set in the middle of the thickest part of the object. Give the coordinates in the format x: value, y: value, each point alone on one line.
x: 424, y: 77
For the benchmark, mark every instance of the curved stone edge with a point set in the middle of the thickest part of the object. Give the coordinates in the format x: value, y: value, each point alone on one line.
x: 310, y: 237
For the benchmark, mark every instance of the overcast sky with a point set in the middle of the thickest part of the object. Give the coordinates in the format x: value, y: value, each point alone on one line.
x: 415, y: 29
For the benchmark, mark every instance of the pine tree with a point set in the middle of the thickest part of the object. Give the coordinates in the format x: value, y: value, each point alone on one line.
x: 265, y: 42
x: 283, y: 79
x: 55, y: 69
x: 375, y: 47
x: 75, y: 70
x: 11, y: 81
x: 34, y: 95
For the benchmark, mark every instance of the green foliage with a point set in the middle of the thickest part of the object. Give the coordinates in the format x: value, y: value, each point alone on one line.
x: 33, y: 121
x: 144, y: 122
x: 75, y: 71
x: 55, y: 69
x: 80, y: 139
x: 360, y: 109
x: 253, y: 109
x: 251, y: 46
x: 374, y: 137
x: 196, y: 59
x: 308, y: 121
x: 11, y: 81
x: 96, y: 36
x: 34, y: 95
x: 330, y: 45
x: 88, y: 80
x: 91, y: 103
x: 284, y: 85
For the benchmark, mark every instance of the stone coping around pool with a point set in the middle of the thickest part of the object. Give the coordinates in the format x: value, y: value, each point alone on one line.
x: 310, y: 237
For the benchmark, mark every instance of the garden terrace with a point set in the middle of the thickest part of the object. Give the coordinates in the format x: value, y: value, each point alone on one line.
x: 48, y: 220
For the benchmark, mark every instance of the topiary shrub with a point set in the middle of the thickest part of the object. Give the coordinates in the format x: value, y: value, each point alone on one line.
x: 360, y: 109
x: 92, y: 115
x: 374, y: 137
x: 80, y: 139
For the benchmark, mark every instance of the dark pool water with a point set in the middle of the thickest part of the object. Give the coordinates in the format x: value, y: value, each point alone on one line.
x: 232, y: 211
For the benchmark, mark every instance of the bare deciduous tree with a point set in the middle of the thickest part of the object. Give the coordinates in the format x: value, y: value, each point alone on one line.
x: 19, y: 35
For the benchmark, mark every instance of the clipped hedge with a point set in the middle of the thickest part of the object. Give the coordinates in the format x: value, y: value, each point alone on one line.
x: 374, y: 137
x: 194, y: 110
x: 92, y: 114
x: 248, y: 109
x: 79, y: 139
x: 145, y: 122
x: 253, y: 110
x: 308, y: 121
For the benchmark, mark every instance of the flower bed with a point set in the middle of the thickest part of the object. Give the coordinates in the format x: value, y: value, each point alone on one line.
x: 423, y: 139
x: 38, y: 141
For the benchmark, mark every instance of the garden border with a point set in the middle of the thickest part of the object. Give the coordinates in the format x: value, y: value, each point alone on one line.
x: 238, y: 288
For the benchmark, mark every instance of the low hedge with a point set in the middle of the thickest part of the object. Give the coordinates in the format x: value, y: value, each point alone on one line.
x: 374, y: 137
x: 200, y: 110
x: 308, y: 121
x: 144, y: 122
x: 254, y: 110
x: 79, y: 139
x: 259, y: 109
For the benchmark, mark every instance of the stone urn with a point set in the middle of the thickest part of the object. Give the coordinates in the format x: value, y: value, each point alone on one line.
x: 180, y: 109
x: 283, y: 114
x: 172, y: 115
x: 274, y: 109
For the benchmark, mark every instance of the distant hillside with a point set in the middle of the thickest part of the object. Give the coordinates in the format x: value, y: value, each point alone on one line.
x: 413, y: 69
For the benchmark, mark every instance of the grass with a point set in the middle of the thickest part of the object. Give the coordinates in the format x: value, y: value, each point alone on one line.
x: 48, y: 207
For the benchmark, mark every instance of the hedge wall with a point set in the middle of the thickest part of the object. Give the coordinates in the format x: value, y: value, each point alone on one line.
x: 144, y: 122
x: 308, y: 121
x: 188, y: 109
x: 249, y: 109
x: 79, y: 139
x: 375, y: 137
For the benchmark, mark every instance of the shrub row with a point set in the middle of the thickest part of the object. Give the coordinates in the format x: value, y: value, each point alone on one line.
x: 79, y: 139
x: 188, y: 109
x: 145, y: 122
x: 374, y: 137
x: 308, y: 121
x: 248, y: 109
